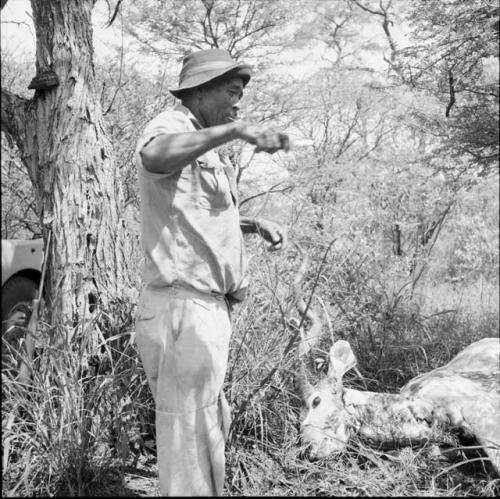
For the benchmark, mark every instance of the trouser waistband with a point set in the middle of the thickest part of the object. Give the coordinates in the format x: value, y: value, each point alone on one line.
x: 187, y: 292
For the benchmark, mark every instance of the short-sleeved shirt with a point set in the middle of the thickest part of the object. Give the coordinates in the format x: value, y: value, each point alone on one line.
x: 189, y: 219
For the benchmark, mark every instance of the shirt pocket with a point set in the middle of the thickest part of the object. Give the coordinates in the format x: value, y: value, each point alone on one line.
x: 214, y: 192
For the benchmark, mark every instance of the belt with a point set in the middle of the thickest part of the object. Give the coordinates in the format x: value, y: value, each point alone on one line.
x: 188, y: 292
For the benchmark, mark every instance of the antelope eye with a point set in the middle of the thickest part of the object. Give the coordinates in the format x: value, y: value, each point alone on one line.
x: 316, y: 402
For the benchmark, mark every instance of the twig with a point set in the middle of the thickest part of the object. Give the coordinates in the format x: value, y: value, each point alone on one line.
x: 115, y: 13
x: 461, y: 463
x: 26, y: 368
x: 327, y: 317
x: 271, y: 190
x: 452, y: 93
x: 288, y: 347
x: 119, y: 84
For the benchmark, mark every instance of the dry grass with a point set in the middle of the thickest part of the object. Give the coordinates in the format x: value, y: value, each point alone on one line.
x: 78, y: 418
x: 477, y: 299
x: 83, y: 426
x: 264, y: 455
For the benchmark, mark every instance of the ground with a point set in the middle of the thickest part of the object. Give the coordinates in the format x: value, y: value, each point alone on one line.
x: 136, y: 479
x: 141, y: 482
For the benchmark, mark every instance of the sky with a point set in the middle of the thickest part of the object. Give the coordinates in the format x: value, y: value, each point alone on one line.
x: 18, y: 33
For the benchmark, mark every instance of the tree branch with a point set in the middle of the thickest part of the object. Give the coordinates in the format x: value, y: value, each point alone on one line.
x: 271, y: 190
x: 14, y: 111
x: 367, y: 9
x: 452, y: 93
x: 384, y: 13
x: 119, y: 84
x: 115, y: 13
x: 345, y: 142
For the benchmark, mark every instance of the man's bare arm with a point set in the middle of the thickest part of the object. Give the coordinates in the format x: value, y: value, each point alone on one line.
x: 270, y: 231
x: 172, y: 152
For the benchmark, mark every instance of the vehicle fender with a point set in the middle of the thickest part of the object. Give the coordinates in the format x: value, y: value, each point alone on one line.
x: 21, y: 256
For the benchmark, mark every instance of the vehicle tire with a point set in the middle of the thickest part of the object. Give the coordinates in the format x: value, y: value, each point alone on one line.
x: 17, y: 300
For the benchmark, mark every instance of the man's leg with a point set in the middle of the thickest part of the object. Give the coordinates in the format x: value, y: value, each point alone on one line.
x: 183, y: 340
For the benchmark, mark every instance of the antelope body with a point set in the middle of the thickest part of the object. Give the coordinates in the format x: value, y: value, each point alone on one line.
x: 463, y: 395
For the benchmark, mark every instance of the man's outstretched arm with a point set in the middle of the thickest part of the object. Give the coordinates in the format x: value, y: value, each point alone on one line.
x: 168, y: 153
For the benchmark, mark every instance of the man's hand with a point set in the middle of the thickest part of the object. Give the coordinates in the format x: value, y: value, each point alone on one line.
x: 272, y: 232
x: 266, y: 138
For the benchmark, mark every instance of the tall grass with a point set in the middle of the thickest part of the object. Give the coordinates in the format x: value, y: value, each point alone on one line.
x: 88, y: 413
x: 84, y: 411
x: 395, y: 334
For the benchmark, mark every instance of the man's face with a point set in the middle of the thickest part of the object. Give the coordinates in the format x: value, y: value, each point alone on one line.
x: 219, y: 103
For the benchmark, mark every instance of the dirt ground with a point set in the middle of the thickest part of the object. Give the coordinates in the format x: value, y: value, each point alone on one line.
x: 137, y: 479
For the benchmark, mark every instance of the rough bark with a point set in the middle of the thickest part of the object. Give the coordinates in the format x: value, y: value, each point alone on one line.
x: 63, y: 143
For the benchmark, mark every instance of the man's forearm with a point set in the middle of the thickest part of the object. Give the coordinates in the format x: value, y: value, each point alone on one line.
x: 248, y: 225
x: 170, y: 153
x: 270, y: 231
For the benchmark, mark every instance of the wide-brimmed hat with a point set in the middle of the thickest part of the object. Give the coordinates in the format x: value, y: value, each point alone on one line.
x: 206, y: 65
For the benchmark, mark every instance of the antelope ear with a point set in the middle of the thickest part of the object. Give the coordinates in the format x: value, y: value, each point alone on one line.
x: 342, y: 359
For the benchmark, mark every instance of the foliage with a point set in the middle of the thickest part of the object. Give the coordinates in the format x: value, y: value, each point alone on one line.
x: 180, y: 26
x: 393, y: 339
x: 19, y: 213
x: 469, y: 248
x: 84, y: 410
x: 129, y: 101
x: 453, y: 56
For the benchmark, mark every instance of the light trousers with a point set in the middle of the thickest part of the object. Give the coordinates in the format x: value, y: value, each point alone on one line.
x: 183, y: 341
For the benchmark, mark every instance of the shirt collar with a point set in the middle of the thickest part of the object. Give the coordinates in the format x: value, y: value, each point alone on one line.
x: 189, y: 114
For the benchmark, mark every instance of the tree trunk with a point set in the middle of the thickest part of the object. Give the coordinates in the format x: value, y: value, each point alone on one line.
x: 61, y: 137
x: 396, y: 241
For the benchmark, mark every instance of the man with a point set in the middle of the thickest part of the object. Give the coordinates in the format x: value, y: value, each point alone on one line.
x: 195, y: 265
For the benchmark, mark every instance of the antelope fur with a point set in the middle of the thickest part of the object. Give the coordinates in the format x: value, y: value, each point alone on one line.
x: 462, y: 395
x: 389, y: 420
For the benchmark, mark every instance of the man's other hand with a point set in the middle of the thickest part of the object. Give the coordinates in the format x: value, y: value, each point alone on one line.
x: 273, y: 233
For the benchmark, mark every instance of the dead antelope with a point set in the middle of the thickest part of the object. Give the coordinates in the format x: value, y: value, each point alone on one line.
x: 462, y: 395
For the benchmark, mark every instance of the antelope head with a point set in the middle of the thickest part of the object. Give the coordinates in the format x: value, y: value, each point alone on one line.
x: 325, y: 423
